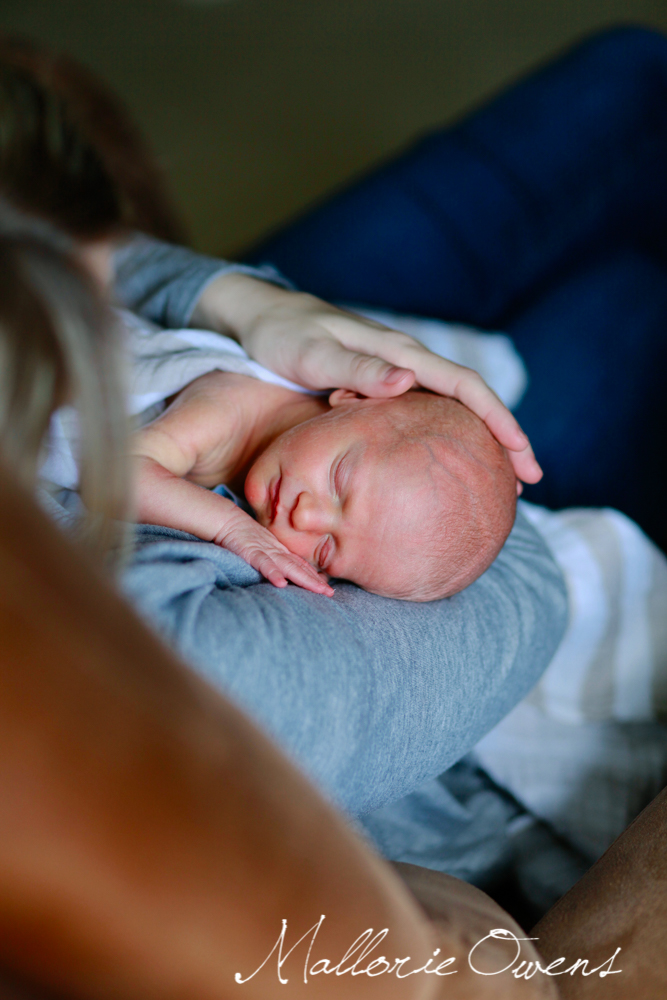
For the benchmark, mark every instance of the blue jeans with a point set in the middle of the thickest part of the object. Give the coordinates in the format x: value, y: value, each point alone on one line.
x: 543, y: 214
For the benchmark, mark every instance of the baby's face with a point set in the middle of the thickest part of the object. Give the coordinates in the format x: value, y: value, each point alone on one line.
x: 328, y: 489
x: 408, y: 497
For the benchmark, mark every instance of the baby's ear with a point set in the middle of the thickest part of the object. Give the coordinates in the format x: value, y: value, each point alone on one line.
x: 344, y: 396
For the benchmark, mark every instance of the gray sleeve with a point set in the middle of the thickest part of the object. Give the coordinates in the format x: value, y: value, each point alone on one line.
x: 371, y: 697
x: 163, y: 282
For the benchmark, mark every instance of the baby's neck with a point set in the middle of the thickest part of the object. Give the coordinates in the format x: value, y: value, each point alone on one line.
x: 259, y: 412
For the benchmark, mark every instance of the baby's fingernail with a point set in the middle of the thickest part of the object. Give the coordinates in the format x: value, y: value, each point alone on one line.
x: 395, y: 375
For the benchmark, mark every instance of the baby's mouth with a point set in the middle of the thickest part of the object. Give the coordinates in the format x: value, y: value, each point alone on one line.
x: 274, y: 496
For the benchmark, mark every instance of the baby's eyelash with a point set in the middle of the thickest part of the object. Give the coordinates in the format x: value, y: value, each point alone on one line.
x: 333, y: 474
x: 338, y: 475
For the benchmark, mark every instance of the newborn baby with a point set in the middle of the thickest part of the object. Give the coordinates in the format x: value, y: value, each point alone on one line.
x: 409, y: 497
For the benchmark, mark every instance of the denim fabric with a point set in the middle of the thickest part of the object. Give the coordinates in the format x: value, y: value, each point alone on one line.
x: 543, y: 214
x: 371, y: 697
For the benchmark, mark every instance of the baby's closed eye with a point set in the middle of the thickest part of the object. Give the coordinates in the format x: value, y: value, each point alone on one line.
x: 324, y: 552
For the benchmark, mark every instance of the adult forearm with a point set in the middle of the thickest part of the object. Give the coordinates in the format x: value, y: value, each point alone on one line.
x: 231, y: 303
x: 164, y: 282
x: 301, y: 337
x: 616, y: 918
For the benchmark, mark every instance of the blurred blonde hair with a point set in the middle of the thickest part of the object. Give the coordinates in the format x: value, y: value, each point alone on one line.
x: 73, y: 169
x: 57, y: 347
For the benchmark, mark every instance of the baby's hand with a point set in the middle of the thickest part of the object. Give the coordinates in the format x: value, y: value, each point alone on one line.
x: 262, y: 550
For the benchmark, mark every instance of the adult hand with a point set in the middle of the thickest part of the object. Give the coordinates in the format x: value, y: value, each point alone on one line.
x: 319, y: 346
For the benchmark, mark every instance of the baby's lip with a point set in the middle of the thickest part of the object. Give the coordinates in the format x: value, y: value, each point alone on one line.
x: 274, y: 498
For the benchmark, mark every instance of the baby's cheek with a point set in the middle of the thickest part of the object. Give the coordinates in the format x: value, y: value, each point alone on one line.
x: 254, y: 491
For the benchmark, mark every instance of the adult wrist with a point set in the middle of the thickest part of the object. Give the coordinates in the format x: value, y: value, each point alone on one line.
x: 233, y: 302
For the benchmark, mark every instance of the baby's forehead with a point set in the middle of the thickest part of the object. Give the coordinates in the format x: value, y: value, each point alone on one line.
x: 414, y: 412
x: 423, y: 444
x: 385, y: 421
x: 401, y: 478
x: 444, y: 428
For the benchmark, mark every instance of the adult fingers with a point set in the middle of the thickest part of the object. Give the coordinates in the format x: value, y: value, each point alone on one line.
x: 446, y: 378
x: 470, y: 389
x: 348, y: 358
x: 525, y: 465
x: 474, y: 393
x: 325, y: 363
x: 441, y: 376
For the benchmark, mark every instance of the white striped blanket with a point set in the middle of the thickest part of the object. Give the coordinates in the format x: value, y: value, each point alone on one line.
x: 612, y: 662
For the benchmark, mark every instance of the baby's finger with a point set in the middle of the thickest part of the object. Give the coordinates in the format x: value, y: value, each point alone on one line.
x: 280, y: 566
x: 267, y: 555
x: 286, y: 568
x: 308, y: 578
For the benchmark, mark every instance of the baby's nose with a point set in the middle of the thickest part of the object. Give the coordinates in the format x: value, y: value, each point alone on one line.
x: 308, y: 514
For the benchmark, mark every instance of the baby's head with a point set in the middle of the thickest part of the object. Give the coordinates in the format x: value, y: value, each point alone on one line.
x: 409, y: 497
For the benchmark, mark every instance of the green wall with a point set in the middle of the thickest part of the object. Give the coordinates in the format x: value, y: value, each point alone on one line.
x: 257, y: 107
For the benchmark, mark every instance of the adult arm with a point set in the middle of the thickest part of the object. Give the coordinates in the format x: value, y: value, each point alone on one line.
x: 371, y: 696
x: 618, y: 911
x: 299, y: 336
x: 152, y: 840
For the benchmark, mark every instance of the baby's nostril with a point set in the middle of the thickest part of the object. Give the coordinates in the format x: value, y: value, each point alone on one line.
x: 306, y: 515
